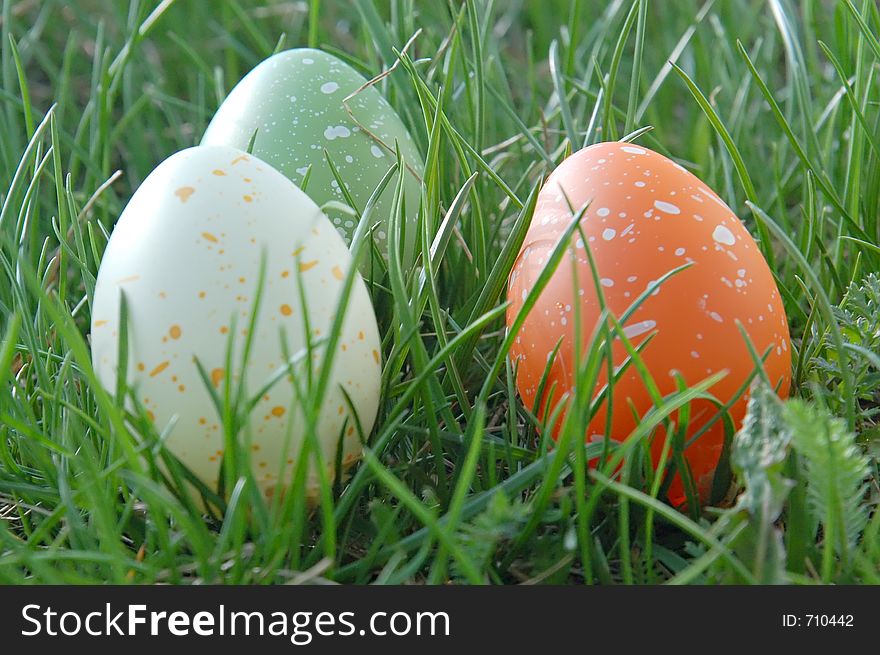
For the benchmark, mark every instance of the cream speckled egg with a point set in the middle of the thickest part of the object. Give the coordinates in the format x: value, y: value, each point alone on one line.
x: 186, y: 253
x: 294, y: 102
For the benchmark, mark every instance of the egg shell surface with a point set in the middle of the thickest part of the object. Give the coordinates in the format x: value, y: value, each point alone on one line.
x: 293, y: 101
x: 186, y: 252
x: 646, y: 216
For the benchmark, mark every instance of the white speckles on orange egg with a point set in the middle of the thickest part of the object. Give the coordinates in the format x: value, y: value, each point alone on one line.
x: 661, y: 218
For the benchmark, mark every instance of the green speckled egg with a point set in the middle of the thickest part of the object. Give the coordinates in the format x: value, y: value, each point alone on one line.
x: 293, y: 101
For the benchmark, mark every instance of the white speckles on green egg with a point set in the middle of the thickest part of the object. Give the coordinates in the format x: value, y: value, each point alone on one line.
x: 293, y: 101
x: 186, y: 252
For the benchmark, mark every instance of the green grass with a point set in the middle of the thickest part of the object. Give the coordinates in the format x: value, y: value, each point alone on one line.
x: 775, y: 105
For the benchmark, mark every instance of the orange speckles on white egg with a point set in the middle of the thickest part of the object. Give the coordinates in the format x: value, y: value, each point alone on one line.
x: 247, y: 197
x: 184, y: 193
x: 219, y: 172
x: 307, y: 266
x: 337, y: 273
x: 181, y: 308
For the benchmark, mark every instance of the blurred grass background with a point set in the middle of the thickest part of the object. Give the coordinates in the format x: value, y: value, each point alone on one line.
x: 773, y: 104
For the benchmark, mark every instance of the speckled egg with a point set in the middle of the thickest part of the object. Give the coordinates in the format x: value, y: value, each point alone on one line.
x: 186, y: 253
x: 295, y: 103
x: 646, y: 216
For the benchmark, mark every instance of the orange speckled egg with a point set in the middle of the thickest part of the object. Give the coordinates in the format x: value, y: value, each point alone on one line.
x: 647, y: 216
